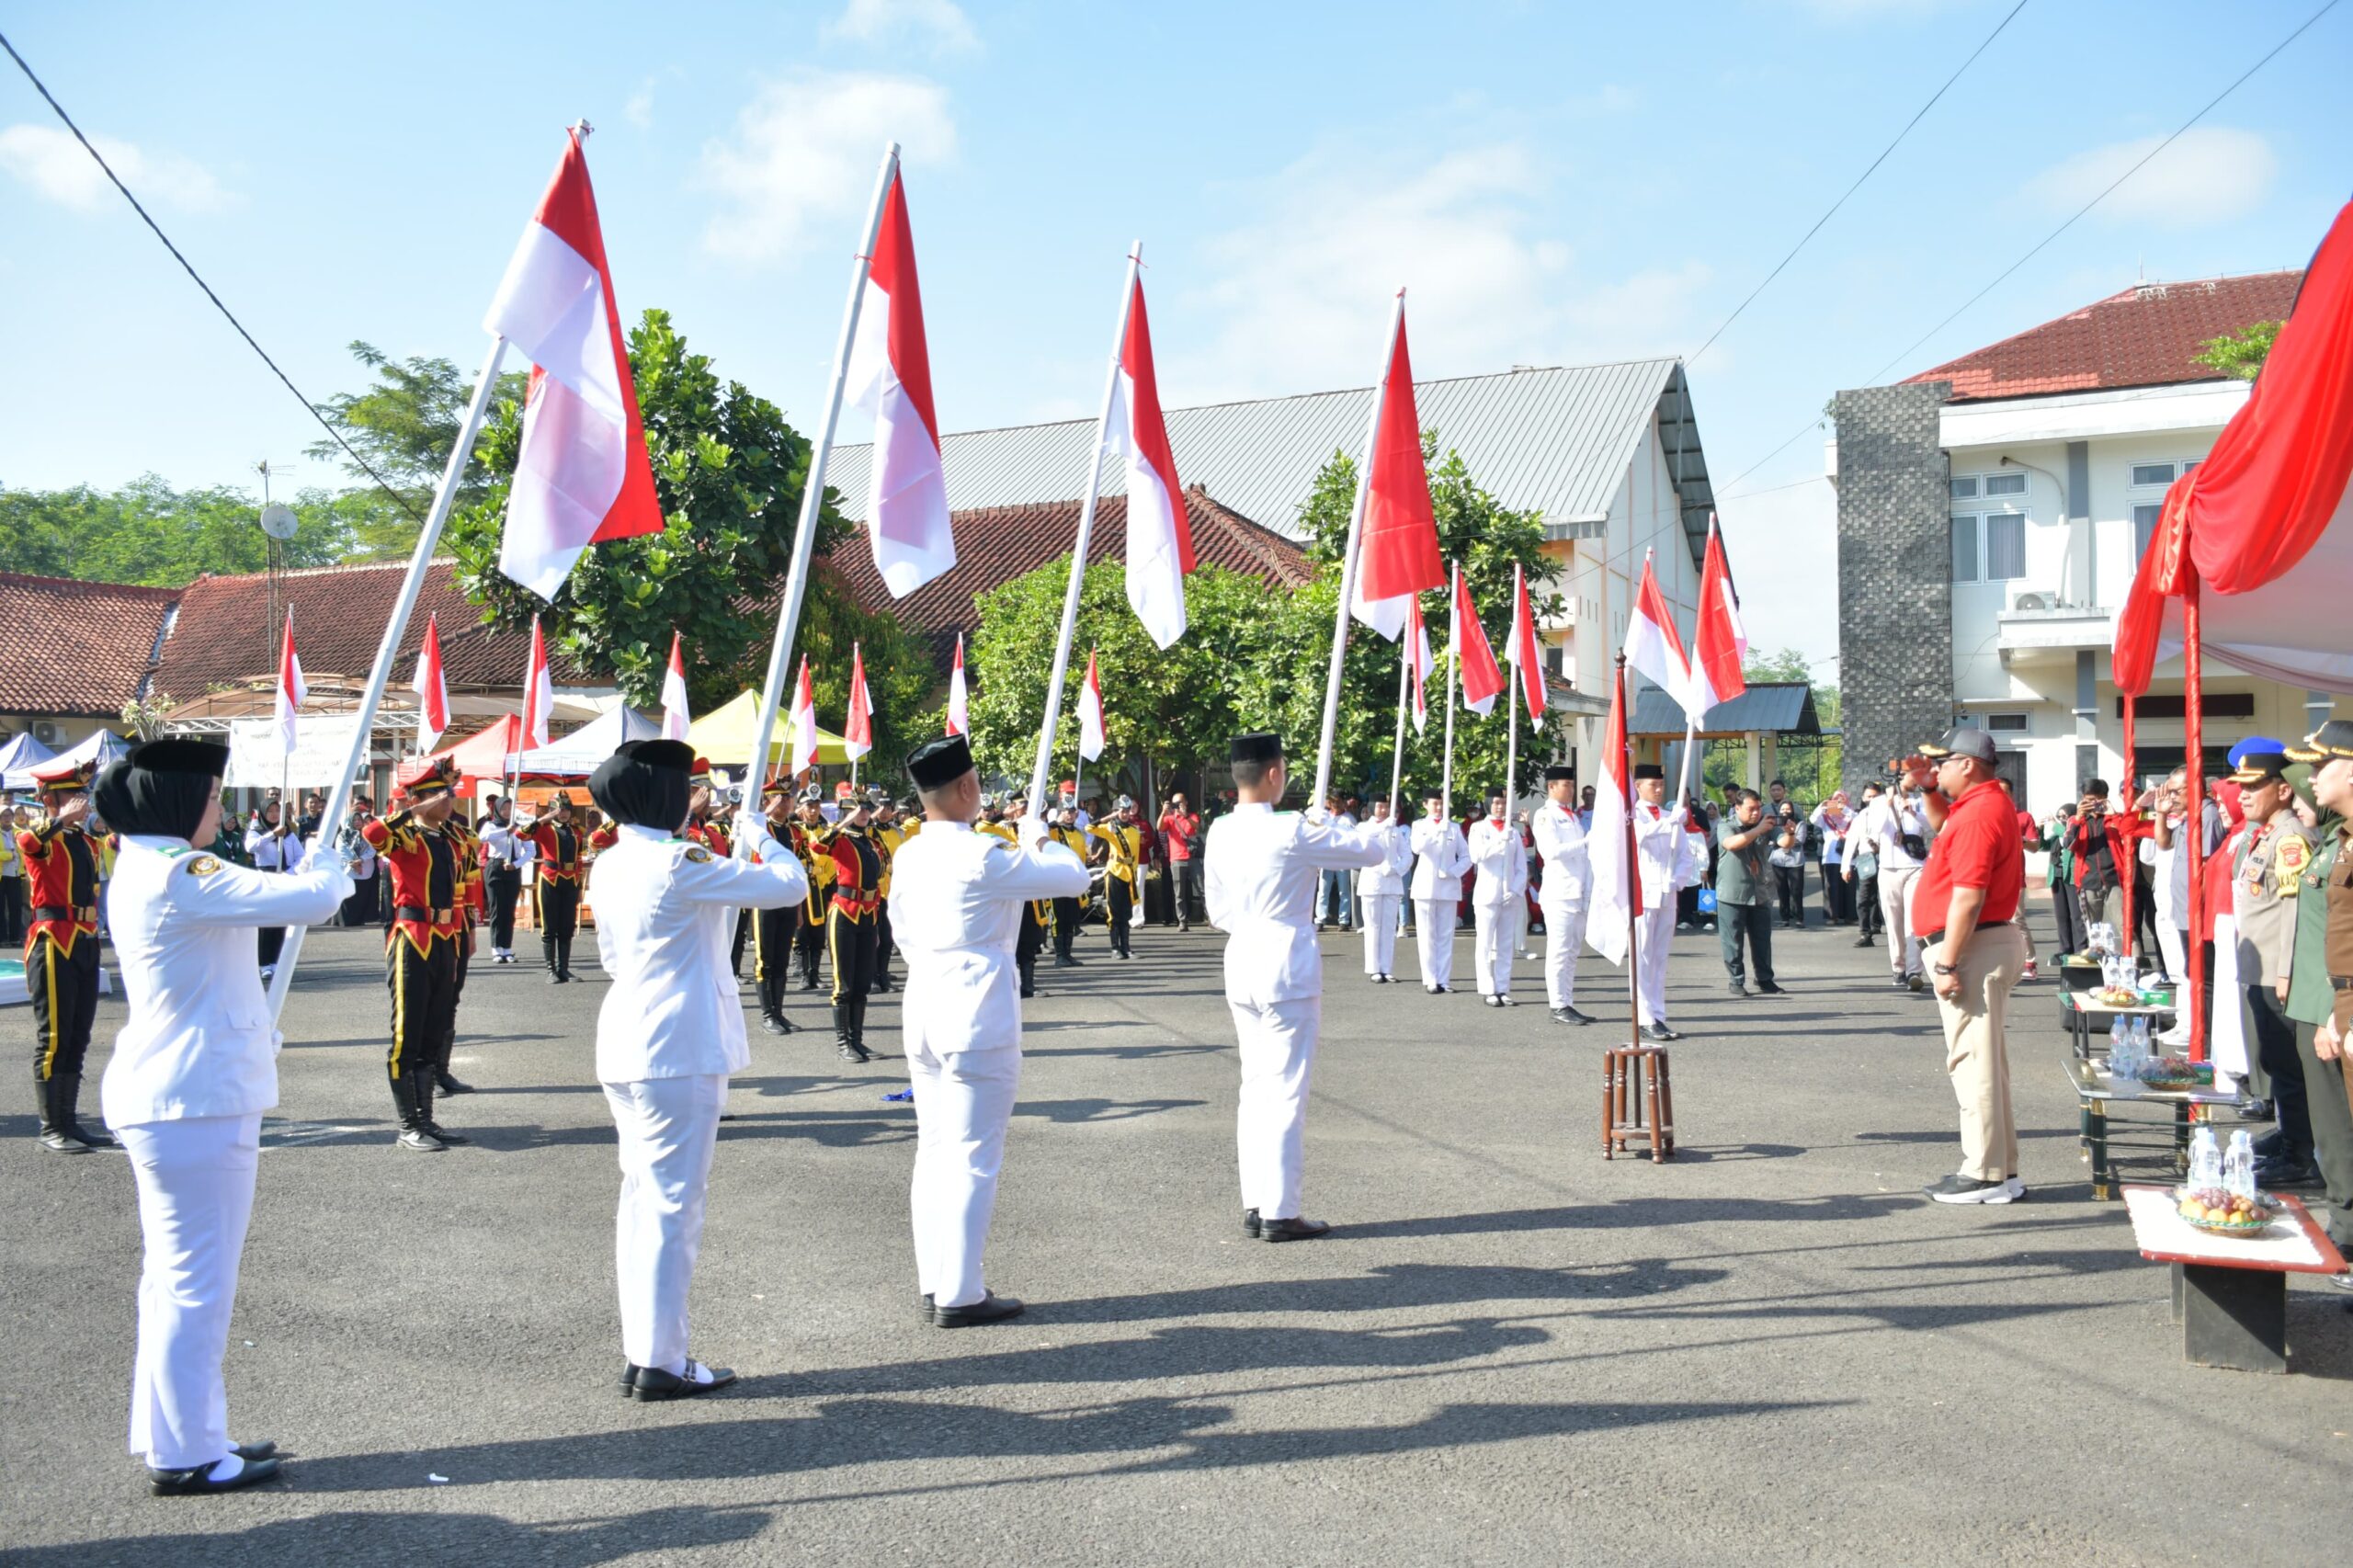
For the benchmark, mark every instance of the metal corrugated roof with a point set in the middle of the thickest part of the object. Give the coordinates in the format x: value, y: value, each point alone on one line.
x: 1557, y: 440
x: 1781, y: 708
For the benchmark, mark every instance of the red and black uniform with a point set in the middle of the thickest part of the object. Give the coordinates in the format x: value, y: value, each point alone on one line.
x: 473, y: 907
x: 61, y: 965
x: 426, y: 878
x: 773, y: 931
x: 556, y: 893
x: 809, y: 935
x: 852, y: 926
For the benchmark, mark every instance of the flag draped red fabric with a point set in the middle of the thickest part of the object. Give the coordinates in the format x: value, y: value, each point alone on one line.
x: 1653, y: 645
x: 292, y: 689
x: 539, y: 695
x: 803, y: 722
x: 1419, y: 660
x: 857, y: 730
x: 1482, y: 679
x: 1160, y: 535
x: 676, y: 718
x: 1719, y: 642
x: 1397, y: 551
x: 432, y: 690
x: 889, y: 374
x: 959, y: 720
x: 1526, y: 658
x: 1615, y: 877
x: 1090, y: 712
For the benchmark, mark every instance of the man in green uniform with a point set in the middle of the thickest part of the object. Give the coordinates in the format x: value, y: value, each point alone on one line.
x: 2320, y: 981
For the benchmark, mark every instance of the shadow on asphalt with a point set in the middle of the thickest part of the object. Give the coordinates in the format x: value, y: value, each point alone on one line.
x: 1393, y: 1288
x: 478, y: 1538
x: 1639, y: 1213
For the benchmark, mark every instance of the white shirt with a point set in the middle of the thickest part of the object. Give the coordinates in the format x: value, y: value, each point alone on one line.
x: 1387, y: 878
x: 1670, y: 858
x: 1502, y: 862
x: 1444, y: 857
x: 666, y: 910
x: 200, y: 1039
x: 957, y: 900
x: 270, y: 852
x: 500, y: 845
x: 1560, y: 839
x: 1260, y: 886
x: 1884, y: 822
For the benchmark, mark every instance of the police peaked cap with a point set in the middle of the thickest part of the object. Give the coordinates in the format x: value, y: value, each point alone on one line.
x: 2333, y: 739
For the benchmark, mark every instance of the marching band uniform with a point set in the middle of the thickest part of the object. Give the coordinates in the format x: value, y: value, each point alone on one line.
x: 966, y: 895
x: 1668, y: 859
x: 669, y: 1032
x: 421, y: 864
x: 1122, y: 840
x: 1501, y: 858
x: 809, y: 935
x: 192, y: 1072
x: 888, y: 834
x: 1381, y: 891
x: 61, y: 954
x: 1070, y: 913
x: 1261, y: 870
x: 1560, y: 840
x: 850, y: 933
x: 472, y: 906
x: 555, y: 891
x: 1441, y: 858
x: 772, y: 929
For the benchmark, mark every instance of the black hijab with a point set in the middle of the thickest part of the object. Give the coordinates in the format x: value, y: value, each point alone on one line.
x: 161, y: 788
x: 646, y: 784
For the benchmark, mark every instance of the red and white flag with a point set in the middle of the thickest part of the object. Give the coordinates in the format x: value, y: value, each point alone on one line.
x: 1720, y: 643
x: 803, y: 723
x: 676, y: 718
x: 857, y: 730
x: 581, y: 476
x: 1615, y: 887
x: 1527, y: 659
x: 1090, y: 713
x: 539, y: 694
x: 890, y: 376
x: 1653, y: 645
x: 1418, y: 645
x: 432, y: 690
x: 1160, y: 535
x: 1475, y: 660
x: 292, y: 689
x: 958, y: 716
x: 1397, y: 551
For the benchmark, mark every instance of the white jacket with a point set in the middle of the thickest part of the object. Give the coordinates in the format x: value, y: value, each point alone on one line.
x: 200, y: 1039
x: 1502, y: 863
x: 956, y: 901
x: 1387, y: 879
x: 665, y: 909
x: 1259, y: 885
x: 1443, y: 857
x: 1560, y: 840
x: 1671, y: 857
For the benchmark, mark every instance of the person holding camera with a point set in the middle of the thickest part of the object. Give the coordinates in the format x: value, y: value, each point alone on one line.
x: 2097, y: 840
x: 1895, y: 828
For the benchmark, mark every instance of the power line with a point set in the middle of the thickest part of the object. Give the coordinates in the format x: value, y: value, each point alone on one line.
x: 1859, y: 181
x: 308, y: 407
x: 2070, y: 222
x: 1793, y: 484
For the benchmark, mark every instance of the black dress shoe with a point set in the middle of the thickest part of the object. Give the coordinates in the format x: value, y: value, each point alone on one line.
x: 1865, y: 942
x: 628, y: 1378
x: 990, y: 1308
x: 1569, y: 1016
x: 1292, y: 1229
x: 655, y: 1385
x: 199, y: 1483
x: 2249, y: 1108
x: 254, y: 1452
x: 417, y: 1141
x: 555, y: 977
x: 445, y: 1084
x: 1660, y: 1033
x: 454, y: 1140
x: 61, y: 1140
x: 1250, y: 1221
x: 1772, y: 991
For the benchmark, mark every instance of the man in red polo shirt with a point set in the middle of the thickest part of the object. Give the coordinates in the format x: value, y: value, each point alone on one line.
x: 1965, y: 913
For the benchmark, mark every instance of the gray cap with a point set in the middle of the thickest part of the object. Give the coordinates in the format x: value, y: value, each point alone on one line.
x: 1963, y: 739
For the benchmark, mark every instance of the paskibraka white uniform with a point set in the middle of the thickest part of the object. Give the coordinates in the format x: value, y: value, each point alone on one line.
x: 1441, y: 859
x: 669, y: 1033
x: 1669, y: 861
x: 1259, y: 883
x: 193, y: 1069
x: 957, y: 902
x: 1560, y: 841
x: 1501, y: 860
x: 1380, y: 889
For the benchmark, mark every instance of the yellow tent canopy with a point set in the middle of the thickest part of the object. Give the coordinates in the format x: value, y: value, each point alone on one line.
x: 724, y: 736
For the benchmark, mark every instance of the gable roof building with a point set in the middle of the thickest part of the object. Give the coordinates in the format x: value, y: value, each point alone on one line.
x: 76, y: 651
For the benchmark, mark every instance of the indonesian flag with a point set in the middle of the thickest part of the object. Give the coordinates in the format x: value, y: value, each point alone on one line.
x: 1090, y: 713
x: 890, y: 376
x: 676, y: 719
x: 1653, y: 645
x: 581, y: 476
x: 1526, y: 661
x: 1398, y: 552
x: 1418, y: 659
x: 1482, y: 681
x: 539, y: 696
x: 858, y: 731
x: 803, y: 721
x: 959, y: 719
x: 1160, y: 536
x: 1719, y: 642
x: 432, y: 690
x: 1614, y: 879
x: 292, y: 689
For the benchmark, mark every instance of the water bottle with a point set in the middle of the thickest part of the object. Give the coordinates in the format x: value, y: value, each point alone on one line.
x: 2205, y: 1161
x: 2123, y: 1072
x: 2238, y: 1166
x: 2141, y: 1055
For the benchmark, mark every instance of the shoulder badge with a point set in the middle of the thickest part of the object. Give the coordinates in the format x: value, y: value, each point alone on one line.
x: 2290, y: 857
x: 697, y: 854
x: 203, y: 866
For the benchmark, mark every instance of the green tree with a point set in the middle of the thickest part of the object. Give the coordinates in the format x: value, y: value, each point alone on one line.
x: 1812, y: 771
x: 147, y: 532
x: 403, y: 424
x: 2240, y: 354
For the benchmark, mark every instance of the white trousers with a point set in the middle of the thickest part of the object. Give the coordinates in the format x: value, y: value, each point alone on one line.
x: 669, y: 1127
x: 2228, y: 1046
x: 196, y: 1195
x: 1434, y: 939
x: 1376, y: 915
x: 1563, y: 934
x: 1494, y: 934
x: 1277, y: 1051
x: 1895, y: 884
x: 963, y: 1100
x: 1654, y: 934
x: 2173, y: 945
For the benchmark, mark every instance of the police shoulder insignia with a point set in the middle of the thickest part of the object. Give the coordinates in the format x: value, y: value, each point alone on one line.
x: 203, y: 866
x: 697, y: 853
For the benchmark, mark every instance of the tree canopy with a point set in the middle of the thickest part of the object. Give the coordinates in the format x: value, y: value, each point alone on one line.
x: 1810, y: 770
x: 2240, y: 354
x: 149, y: 533
x: 404, y: 426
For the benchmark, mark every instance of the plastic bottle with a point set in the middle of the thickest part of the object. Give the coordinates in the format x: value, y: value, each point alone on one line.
x: 2140, y: 1052
x: 2238, y: 1166
x: 2205, y: 1160
x: 2123, y: 1064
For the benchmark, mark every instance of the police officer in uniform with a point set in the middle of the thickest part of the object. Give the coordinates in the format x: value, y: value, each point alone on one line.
x: 1122, y: 840
x: 193, y: 1069
x: 850, y: 925
x: 2320, y: 992
x: 422, y: 869
x: 964, y: 897
x: 61, y: 949
x: 773, y: 929
x: 2268, y: 878
x: 556, y: 844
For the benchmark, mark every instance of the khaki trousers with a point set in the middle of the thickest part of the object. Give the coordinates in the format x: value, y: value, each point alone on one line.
x: 1977, y: 1052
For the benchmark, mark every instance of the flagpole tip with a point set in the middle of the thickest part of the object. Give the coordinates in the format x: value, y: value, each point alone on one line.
x: 581, y: 129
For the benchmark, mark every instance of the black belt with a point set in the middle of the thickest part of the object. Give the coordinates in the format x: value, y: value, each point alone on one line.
x: 1938, y: 935
x: 2340, y: 982
x: 423, y: 917
x: 60, y: 912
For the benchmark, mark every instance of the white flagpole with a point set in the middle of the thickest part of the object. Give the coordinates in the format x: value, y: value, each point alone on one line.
x: 428, y: 537
x: 1453, y: 683
x: 812, y: 498
x: 1690, y: 740
x: 1404, y: 695
x: 1348, y: 562
x: 1061, y: 676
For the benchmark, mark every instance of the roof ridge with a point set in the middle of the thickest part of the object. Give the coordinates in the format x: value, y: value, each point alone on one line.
x: 340, y: 568
x: 128, y: 590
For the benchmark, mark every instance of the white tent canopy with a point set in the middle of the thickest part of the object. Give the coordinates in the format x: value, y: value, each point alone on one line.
x: 578, y: 755
x: 17, y: 757
x: 100, y: 748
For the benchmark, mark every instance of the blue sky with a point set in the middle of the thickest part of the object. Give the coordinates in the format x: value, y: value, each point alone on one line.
x: 1556, y: 185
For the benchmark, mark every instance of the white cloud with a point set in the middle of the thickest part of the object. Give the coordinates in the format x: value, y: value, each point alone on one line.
x: 2210, y: 175
x: 805, y: 151
x: 54, y: 165
x: 638, y: 109
x: 940, y: 24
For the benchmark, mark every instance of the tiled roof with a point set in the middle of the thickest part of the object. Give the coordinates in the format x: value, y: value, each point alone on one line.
x: 997, y: 544
x: 223, y: 635
x: 78, y: 649
x: 2146, y: 336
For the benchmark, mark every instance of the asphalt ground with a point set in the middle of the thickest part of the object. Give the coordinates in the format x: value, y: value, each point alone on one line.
x: 1771, y: 1348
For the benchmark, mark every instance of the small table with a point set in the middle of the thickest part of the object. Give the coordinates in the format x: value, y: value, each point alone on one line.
x: 2230, y: 1293
x: 2080, y: 1014
x: 2094, y: 1088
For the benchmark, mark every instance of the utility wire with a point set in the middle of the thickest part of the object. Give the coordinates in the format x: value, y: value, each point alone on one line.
x: 308, y: 407
x: 1859, y: 178
x: 2040, y: 245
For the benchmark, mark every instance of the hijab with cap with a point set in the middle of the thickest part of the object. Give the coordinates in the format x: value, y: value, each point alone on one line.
x: 161, y: 788
x: 646, y: 784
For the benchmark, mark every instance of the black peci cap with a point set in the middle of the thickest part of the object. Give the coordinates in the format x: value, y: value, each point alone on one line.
x: 1259, y: 746
x: 1649, y: 770
x: 1559, y: 773
x: 939, y: 762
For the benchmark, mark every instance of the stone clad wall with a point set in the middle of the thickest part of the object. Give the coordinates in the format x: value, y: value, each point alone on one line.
x: 1896, y: 667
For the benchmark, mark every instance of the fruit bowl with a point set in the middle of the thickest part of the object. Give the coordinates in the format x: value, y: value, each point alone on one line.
x: 2175, y: 1074
x: 2219, y: 1213
x: 2117, y: 996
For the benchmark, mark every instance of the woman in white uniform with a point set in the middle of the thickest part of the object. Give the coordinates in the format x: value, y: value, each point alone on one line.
x: 191, y: 1073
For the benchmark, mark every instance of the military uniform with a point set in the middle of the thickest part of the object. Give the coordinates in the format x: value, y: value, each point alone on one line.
x: 2320, y: 990
x: 426, y: 881
x: 61, y: 955
x: 1122, y: 842
x: 2268, y: 878
x: 555, y: 893
x: 773, y: 929
x: 850, y: 922
x: 1070, y: 913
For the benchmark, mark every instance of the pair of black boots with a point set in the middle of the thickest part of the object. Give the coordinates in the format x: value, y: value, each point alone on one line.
x: 62, y: 1132
x: 849, y: 1029
x: 559, y: 956
x: 412, y: 1098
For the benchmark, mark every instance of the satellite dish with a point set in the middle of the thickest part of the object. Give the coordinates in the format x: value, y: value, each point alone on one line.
x: 277, y: 520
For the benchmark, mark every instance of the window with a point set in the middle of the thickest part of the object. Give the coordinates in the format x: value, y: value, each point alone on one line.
x: 1964, y: 487
x: 2005, y: 485
x: 1995, y: 723
x: 2150, y: 481
x: 2145, y: 526
x: 1989, y: 539
x: 1964, y: 550
x: 2005, y: 546
x: 2153, y: 473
